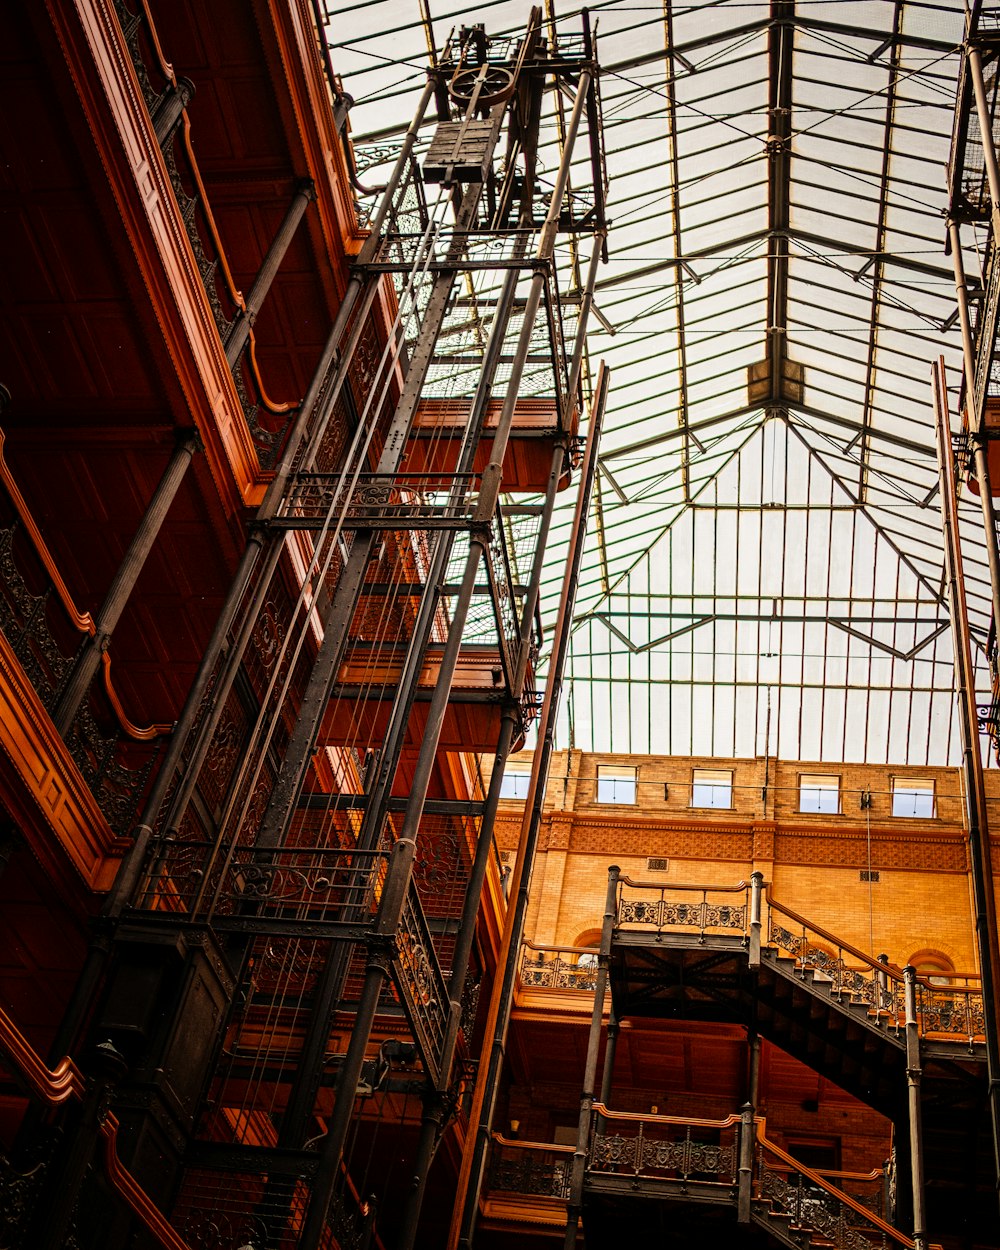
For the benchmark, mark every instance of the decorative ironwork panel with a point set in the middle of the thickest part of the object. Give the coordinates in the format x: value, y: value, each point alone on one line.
x: 332, y: 887
x: 943, y: 1011
x: 24, y: 621
x: 817, y: 1210
x: 19, y: 1191
x: 665, y: 913
x: 421, y: 983
x: 116, y: 788
x: 558, y: 973
x: 401, y: 500
x: 612, y: 1151
x: 528, y: 1170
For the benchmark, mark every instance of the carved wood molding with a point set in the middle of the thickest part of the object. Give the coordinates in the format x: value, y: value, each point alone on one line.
x: 48, y: 775
x: 104, y: 78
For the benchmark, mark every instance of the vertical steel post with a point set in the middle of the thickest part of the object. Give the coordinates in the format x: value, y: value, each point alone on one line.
x: 607, y: 1077
x: 239, y: 331
x: 433, y: 1115
x: 481, y: 1115
x: 169, y: 111
x: 756, y: 897
x: 575, y: 1201
x: 976, y: 432
x: 984, y: 898
x: 89, y: 660
x: 913, y: 1075
x: 744, y: 1185
x: 376, y: 974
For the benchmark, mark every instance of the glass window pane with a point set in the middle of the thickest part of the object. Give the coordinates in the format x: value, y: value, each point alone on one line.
x: 515, y: 784
x: 818, y: 793
x: 913, y: 797
x: 712, y: 787
x: 615, y: 784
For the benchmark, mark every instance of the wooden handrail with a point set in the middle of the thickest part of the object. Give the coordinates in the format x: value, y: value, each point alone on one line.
x: 553, y: 1147
x: 876, y: 1174
x: 601, y: 1109
x: 670, y: 885
x: 817, y: 1179
x: 134, y: 1195
x: 53, y: 1086
x: 82, y: 621
x: 561, y: 950
x: 890, y: 969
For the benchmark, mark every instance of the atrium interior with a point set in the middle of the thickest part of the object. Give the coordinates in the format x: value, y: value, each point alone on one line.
x: 498, y: 624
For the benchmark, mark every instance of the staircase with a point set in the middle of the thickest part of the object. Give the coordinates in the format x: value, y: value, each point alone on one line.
x: 732, y: 954
x: 648, y: 1172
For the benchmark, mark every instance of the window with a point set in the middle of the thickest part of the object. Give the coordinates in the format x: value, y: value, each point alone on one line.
x: 933, y: 967
x: 819, y: 793
x: 913, y: 797
x: 515, y: 783
x: 615, y: 784
x: 712, y: 787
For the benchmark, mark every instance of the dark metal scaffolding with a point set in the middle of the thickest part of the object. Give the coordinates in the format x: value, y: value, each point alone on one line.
x: 311, y: 886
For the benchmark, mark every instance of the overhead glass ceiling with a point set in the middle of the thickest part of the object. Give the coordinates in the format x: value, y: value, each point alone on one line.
x: 764, y: 562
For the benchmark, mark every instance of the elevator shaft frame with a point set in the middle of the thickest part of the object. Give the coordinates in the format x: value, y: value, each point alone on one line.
x: 286, y: 831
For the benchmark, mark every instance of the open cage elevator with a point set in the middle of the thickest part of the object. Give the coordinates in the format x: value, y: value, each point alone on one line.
x: 295, y: 926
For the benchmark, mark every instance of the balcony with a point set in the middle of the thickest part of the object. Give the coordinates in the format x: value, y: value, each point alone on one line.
x: 89, y: 785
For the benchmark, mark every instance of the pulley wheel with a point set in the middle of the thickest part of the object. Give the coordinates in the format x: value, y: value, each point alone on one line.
x: 497, y: 84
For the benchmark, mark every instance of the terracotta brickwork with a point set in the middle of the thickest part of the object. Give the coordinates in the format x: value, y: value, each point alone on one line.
x: 816, y: 863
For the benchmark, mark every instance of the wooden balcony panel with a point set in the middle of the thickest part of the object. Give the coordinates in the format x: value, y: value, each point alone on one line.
x: 362, y: 701
x: 437, y: 434
x: 105, y: 80
x: 48, y: 788
x: 991, y: 428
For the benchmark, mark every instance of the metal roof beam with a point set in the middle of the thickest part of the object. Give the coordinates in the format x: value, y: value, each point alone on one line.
x: 892, y: 440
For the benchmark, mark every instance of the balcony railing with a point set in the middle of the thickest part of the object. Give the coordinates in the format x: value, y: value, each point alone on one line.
x: 952, y: 1011
x: 530, y: 1169
x: 266, y: 419
x: 558, y: 967
x: 664, y: 1147
x: 730, y: 1161
x: 46, y: 631
x: 24, y: 1186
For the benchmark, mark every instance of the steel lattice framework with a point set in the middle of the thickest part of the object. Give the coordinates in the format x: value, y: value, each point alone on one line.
x: 764, y: 570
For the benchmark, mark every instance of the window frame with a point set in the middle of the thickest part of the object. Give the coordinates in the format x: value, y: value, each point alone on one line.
x: 820, y: 790
x: 714, y: 772
x: 914, y: 787
x: 511, y: 775
x: 628, y: 773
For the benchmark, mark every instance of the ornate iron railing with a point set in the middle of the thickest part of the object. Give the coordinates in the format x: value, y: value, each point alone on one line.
x: 23, y: 1186
x: 45, y: 633
x: 713, y: 1156
x: 662, y: 907
x: 664, y: 1147
x: 870, y: 1189
x: 300, y: 889
x: 421, y: 983
x: 532, y: 1169
x: 558, y: 967
x: 385, y: 501
x: 225, y: 300
x: 949, y: 1011
x: 808, y: 1201
x: 952, y: 1011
